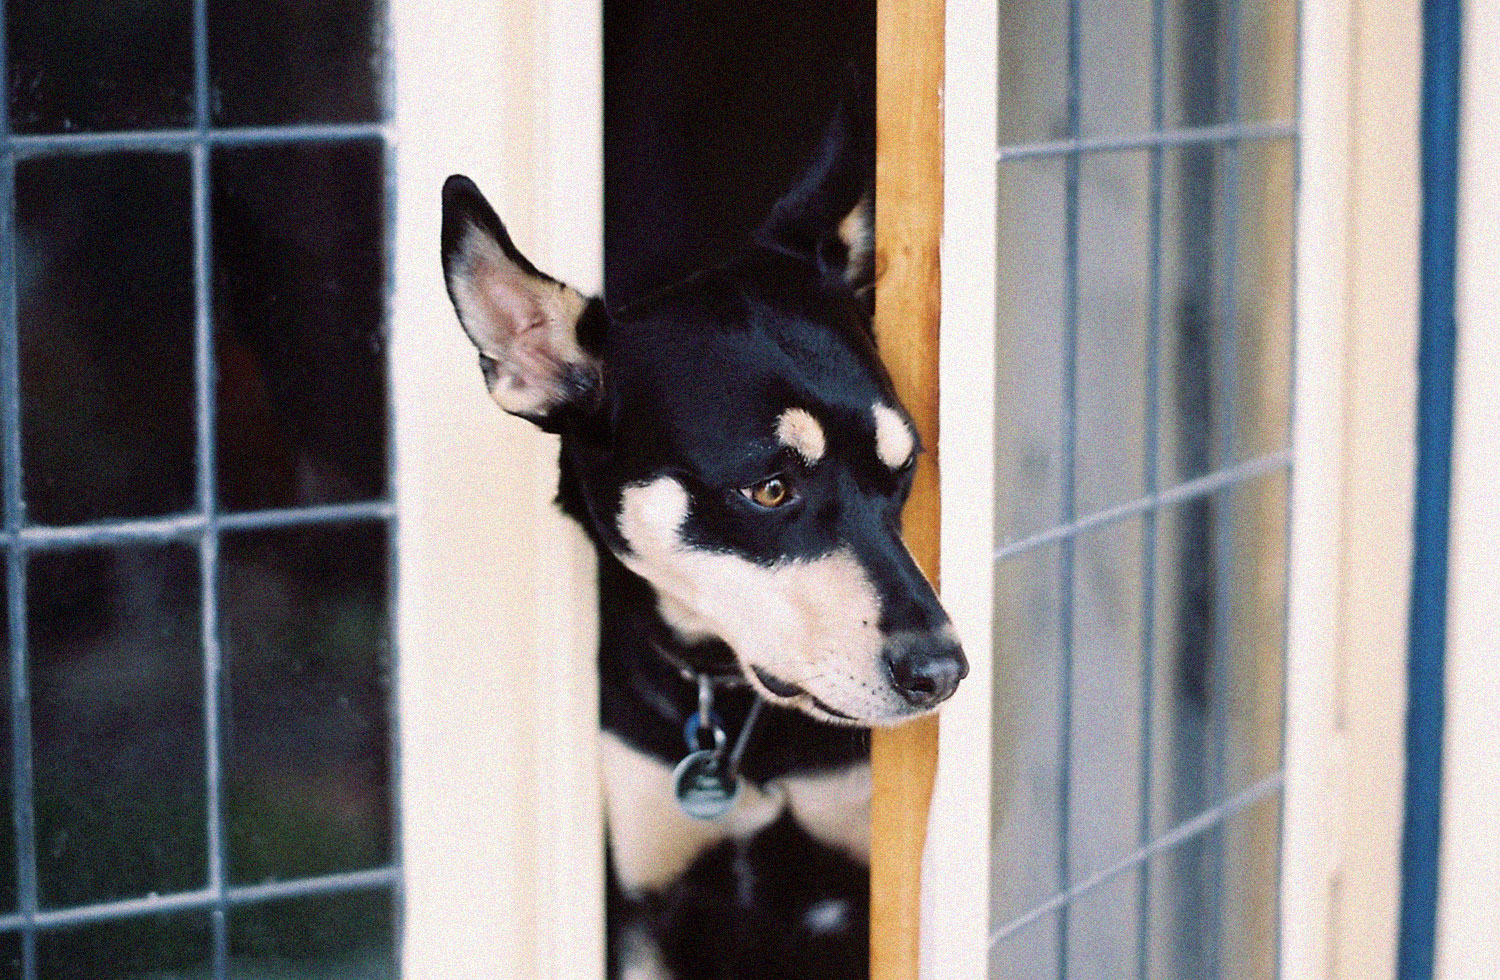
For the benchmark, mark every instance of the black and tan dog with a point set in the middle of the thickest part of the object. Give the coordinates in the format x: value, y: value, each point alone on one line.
x: 734, y: 449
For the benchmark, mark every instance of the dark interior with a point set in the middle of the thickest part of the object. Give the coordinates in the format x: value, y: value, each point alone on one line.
x: 710, y: 112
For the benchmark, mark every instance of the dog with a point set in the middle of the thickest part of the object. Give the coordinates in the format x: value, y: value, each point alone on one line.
x: 733, y: 448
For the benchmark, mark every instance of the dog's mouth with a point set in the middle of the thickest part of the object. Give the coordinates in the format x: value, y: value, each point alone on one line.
x: 783, y: 689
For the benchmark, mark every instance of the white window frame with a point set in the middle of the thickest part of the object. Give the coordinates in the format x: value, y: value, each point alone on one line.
x: 501, y: 823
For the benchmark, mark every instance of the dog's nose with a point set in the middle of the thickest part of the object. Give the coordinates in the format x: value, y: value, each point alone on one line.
x: 926, y: 668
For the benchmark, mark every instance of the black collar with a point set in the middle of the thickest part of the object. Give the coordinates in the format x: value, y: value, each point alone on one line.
x: 723, y: 676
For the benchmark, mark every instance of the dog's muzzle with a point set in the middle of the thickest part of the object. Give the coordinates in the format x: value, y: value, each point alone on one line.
x: 925, y: 667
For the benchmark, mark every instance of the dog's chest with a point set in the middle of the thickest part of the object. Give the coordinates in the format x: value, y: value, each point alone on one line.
x: 653, y: 842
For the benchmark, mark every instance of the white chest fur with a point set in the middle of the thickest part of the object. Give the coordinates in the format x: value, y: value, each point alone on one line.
x: 653, y: 842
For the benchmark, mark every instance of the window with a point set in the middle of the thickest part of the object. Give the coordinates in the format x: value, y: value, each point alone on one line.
x: 197, y: 509
x: 1143, y: 159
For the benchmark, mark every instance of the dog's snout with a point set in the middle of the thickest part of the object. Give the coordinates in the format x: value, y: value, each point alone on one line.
x: 926, y: 669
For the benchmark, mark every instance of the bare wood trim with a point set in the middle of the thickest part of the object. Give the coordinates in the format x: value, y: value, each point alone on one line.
x: 908, y: 229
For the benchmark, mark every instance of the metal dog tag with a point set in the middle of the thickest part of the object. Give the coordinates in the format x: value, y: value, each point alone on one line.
x: 704, y: 788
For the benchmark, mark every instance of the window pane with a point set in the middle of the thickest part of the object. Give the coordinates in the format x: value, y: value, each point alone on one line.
x: 307, y: 647
x: 105, y: 291
x: 1220, y: 626
x: 1104, y: 930
x: 1230, y: 61
x: 329, y: 57
x: 1033, y: 71
x: 85, y: 65
x: 1105, y: 757
x: 1114, y: 305
x: 1226, y: 306
x: 337, y: 937
x: 117, y: 722
x: 7, y: 822
x: 1030, y: 349
x: 1213, y: 900
x: 176, y: 947
x: 1030, y: 953
x: 1115, y: 77
x: 299, y: 308
x: 10, y: 956
x: 1027, y: 778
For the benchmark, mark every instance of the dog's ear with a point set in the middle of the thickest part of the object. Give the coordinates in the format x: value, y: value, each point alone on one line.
x: 525, y: 323
x: 829, y: 215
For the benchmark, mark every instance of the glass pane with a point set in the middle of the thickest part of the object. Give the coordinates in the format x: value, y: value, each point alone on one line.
x: 1198, y: 62
x: 1033, y: 71
x: 1026, y: 779
x: 105, y: 290
x: 10, y: 956
x: 117, y: 722
x: 1226, y: 331
x: 1181, y: 932
x: 1104, y: 930
x: 307, y: 648
x: 1115, y: 38
x: 1030, y: 351
x: 1263, y: 298
x: 1030, y: 953
x: 176, y: 947
x: 1252, y: 862
x: 1105, y: 756
x: 7, y: 823
x: 1114, y: 299
x: 329, y: 58
x: 328, y: 937
x: 84, y: 65
x: 299, y: 305
x: 1230, y: 61
x: 1268, y: 60
x: 1213, y: 900
x: 1220, y: 627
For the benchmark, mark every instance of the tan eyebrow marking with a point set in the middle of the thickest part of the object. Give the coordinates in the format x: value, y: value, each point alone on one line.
x: 894, y: 441
x: 797, y: 429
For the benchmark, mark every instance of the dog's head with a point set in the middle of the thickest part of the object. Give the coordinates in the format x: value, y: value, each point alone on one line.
x: 735, y: 442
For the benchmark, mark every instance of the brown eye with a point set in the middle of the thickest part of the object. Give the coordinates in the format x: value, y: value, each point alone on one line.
x: 770, y: 493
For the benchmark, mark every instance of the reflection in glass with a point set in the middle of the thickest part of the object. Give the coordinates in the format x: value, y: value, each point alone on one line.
x: 299, y: 306
x: 1105, y: 751
x: 1104, y: 929
x: 338, y: 937
x: 307, y: 649
x: 105, y: 293
x: 172, y: 947
x: 1030, y: 351
x: 1114, y: 308
x: 1220, y: 627
x: 85, y: 66
x: 329, y: 57
x: 1226, y: 306
x: 7, y: 827
x: 1026, y: 783
x: 117, y: 722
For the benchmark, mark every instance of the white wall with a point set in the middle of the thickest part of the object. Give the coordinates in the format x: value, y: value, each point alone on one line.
x: 500, y: 827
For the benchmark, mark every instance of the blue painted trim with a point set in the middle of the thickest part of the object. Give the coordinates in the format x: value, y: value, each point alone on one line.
x: 1441, y: 24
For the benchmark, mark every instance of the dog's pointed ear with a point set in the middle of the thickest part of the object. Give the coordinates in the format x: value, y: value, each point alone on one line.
x: 525, y: 323
x: 829, y: 215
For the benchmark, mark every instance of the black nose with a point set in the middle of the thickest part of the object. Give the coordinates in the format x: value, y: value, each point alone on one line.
x: 926, y: 667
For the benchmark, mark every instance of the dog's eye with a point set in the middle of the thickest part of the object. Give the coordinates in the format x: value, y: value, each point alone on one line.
x: 770, y: 493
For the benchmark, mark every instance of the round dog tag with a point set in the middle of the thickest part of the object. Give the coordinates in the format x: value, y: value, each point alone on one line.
x: 704, y: 789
